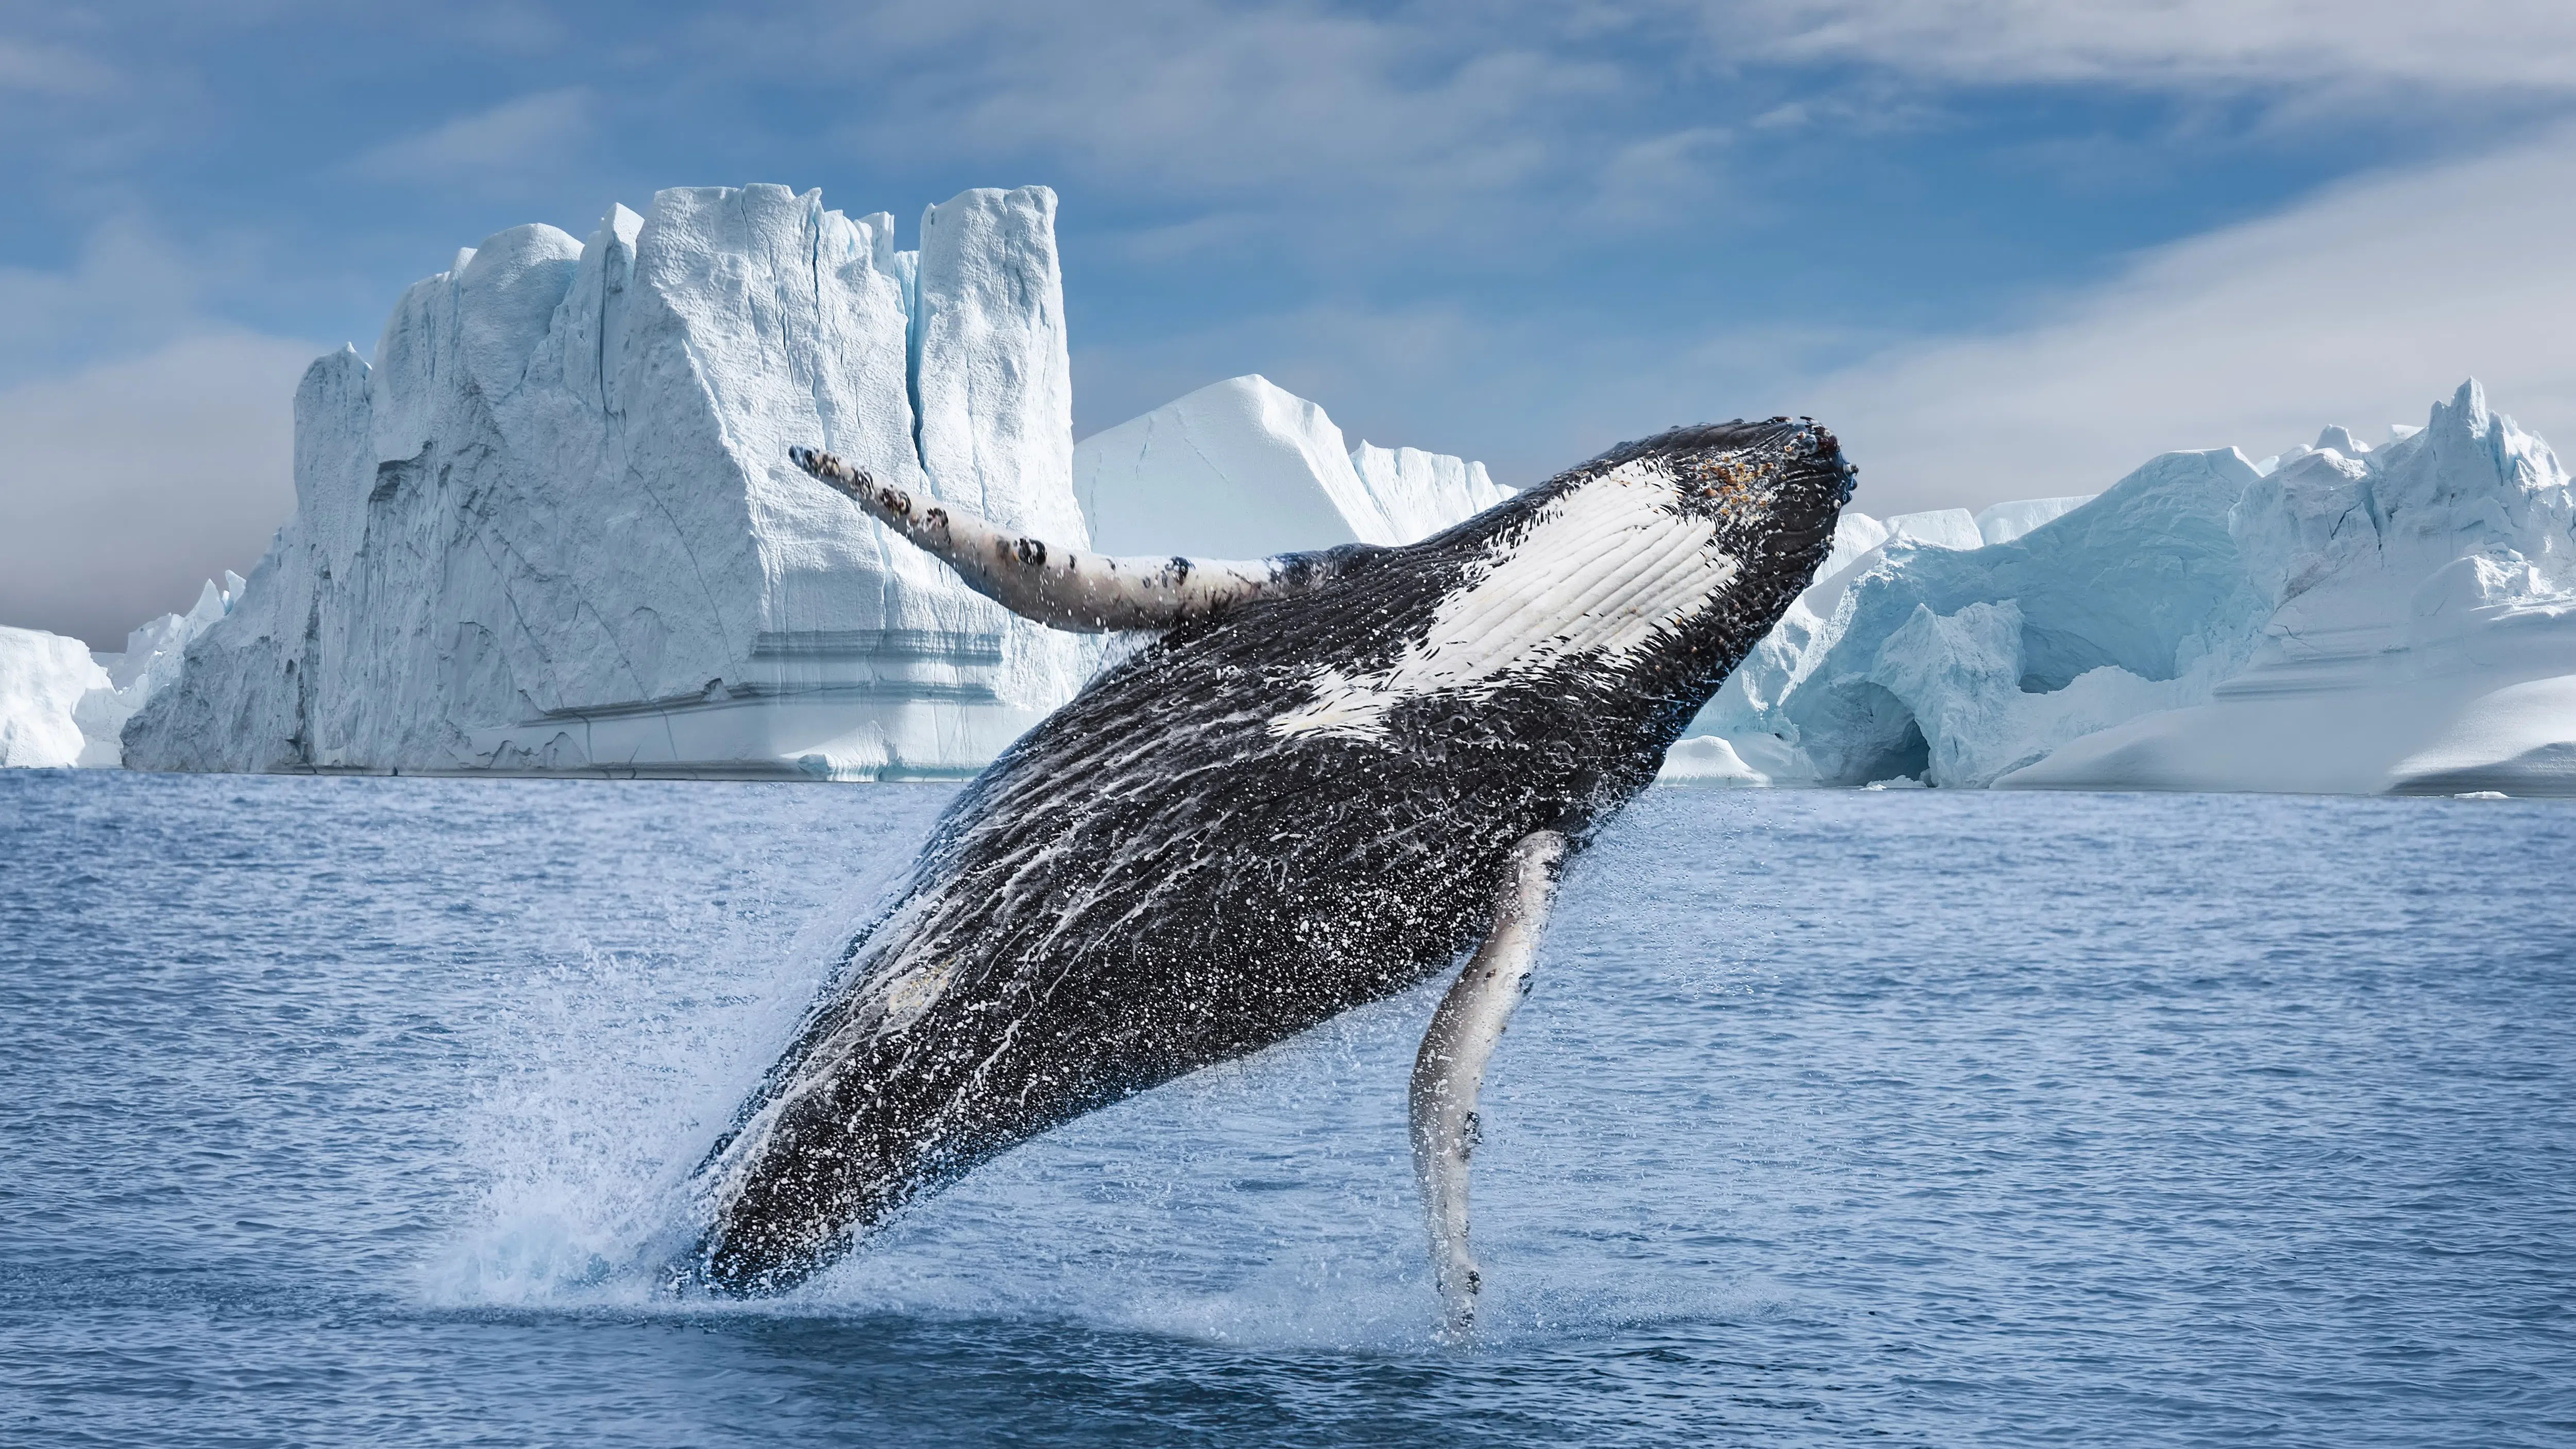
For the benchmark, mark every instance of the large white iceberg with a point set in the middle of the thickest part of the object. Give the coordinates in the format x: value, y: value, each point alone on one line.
x: 2339, y: 619
x: 1244, y: 469
x: 42, y: 679
x: 552, y: 526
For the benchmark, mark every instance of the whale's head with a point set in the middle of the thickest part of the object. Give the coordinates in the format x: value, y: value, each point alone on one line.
x: 1772, y: 489
x: 1623, y: 589
x: 1757, y: 500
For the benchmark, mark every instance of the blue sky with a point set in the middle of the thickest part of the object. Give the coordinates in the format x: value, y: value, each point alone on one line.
x: 2008, y: 248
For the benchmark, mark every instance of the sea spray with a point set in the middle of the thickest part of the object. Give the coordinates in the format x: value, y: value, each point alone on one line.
x: 609, y: 1072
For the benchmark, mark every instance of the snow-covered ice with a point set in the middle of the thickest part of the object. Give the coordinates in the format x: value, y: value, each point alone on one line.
x: 2005, y: 522
x: 2336, y: 619
x: 1706, y: 760
x: 1243, y: 469
x: 1936, y: 528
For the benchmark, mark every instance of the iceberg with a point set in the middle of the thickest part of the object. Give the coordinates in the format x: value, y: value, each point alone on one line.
x: 1706, y: 760
x: 551, y: 526
x: 153, y: 657
x: 2419, y: 629
x: 1244, y: 469
x: 48, y: 682
x: 2335, y: 619
x: 43, y: 678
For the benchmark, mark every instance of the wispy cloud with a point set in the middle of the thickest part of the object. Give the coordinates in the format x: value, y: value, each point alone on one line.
x: 130, y: 483
x: 38, y: 69
x: 130, y: 286
x: 1660, y: 179
x: 530, y: 137
x: 1347, y: 127
x: 2355, y: 50
x: 2358, y: 306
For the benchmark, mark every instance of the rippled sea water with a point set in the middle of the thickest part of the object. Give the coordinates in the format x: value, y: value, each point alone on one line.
x: 353, y: 1110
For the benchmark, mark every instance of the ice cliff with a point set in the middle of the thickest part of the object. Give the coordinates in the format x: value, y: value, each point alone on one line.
x: 1243, y: 468
x: 551, y: 526
x: 2338, y: 619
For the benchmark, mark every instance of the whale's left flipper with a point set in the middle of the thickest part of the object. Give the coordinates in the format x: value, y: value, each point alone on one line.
x: 1450, y: 1068
x: 1067, y: 588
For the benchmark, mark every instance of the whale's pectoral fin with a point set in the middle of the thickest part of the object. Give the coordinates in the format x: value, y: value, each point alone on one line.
x: 1450, y: 1068
x: 1069, y: 588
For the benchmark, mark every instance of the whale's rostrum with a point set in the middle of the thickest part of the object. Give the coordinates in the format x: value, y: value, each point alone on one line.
x: 1332, y: 775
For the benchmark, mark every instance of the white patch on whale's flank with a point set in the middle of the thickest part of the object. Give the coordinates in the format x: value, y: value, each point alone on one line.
x: 912, y: 991
x: 1601, y: 572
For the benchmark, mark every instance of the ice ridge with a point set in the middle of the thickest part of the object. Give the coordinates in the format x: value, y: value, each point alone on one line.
x: 1243, y: 468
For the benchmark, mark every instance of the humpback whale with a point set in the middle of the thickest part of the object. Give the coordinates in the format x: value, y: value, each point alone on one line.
x: 1332, y: 775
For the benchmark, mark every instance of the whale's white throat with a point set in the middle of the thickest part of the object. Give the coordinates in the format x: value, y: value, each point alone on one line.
x: 1597, y: 575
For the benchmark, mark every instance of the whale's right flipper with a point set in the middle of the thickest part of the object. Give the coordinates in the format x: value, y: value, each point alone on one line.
x: 1068, y: 588
x: 1450, y: 1069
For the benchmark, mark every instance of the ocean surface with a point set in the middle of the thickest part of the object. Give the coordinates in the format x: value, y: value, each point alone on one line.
x: 353, y: 1111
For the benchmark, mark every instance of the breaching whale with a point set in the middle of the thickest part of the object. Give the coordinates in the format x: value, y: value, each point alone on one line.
x: 1331, y: 775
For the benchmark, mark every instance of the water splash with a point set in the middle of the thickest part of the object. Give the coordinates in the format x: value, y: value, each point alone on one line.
x: 613, y: 1071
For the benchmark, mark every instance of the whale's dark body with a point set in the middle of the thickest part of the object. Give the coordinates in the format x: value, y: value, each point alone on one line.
x: 1161, y: 876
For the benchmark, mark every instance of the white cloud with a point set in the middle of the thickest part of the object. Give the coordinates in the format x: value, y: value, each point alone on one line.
x: 2356, y: 48
x: 121, y: 293
x: 53, y: 71
x: 128, y: 484
x: 515, y: 140
x: 1341, y: 128
x: 2359, y: 306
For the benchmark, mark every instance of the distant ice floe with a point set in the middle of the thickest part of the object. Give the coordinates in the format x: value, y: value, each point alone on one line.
x: 2339, y: 619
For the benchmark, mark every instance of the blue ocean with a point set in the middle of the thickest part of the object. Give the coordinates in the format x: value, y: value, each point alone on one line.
x: 356, y: 1111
